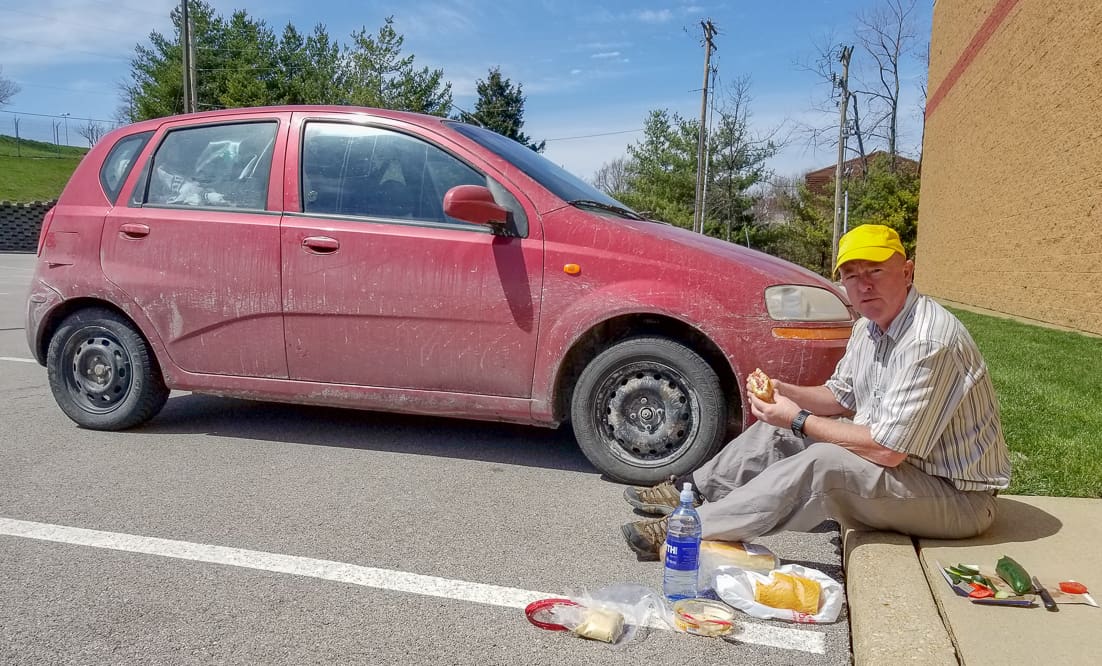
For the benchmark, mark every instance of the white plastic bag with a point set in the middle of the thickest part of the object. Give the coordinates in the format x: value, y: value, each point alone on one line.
x: 736, y: 587
x: 642, y: 609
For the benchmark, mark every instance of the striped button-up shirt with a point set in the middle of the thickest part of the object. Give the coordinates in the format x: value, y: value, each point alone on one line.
x: 923, y: 389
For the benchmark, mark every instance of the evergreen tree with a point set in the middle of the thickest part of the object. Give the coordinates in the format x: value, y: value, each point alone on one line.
x: 156, y: 87
x: 376, y: 74
x: 240, y: 62
x: 883, y: 195
x: 737, y: 158
x: 500, y: 107
x: 662, y: 169
x: 308, y: 69
x: 246, y: 65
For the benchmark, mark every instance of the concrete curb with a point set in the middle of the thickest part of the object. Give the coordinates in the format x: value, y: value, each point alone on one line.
x: 893, y: 617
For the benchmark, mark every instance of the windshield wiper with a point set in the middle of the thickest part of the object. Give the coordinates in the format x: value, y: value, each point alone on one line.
x: 619, y: 210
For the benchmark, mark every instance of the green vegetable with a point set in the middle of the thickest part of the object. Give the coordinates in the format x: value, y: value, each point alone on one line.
x: 1014, y: 574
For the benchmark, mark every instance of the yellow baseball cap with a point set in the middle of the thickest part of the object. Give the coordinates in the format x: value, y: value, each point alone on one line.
x: 871, y: 242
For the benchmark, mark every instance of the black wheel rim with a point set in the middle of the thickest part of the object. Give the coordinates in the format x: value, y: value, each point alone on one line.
x: 99, y: 372
x: 647, y: 413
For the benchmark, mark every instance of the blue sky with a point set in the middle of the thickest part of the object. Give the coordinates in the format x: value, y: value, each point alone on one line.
x: 591, y: 71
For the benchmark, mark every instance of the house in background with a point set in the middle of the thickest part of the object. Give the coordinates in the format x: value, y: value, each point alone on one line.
x: 1010, y: 218
x: 821, y: 181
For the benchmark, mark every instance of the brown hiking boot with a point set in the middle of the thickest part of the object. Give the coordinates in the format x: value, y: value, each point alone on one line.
x: 658, y: 500
x: 646, y: 538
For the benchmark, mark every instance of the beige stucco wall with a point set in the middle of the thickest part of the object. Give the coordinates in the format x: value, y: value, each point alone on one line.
x: 1010, y: 218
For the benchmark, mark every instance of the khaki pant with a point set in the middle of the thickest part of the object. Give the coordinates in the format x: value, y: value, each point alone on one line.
x: 767, y: 480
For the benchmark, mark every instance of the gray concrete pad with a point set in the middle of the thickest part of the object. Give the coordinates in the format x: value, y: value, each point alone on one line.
x: 893, y: 618
x: 1053, y: 538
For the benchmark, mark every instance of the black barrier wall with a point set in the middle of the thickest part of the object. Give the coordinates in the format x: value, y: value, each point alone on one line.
x: 19, y: 225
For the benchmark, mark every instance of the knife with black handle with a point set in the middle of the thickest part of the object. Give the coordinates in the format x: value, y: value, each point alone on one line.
x: 1046, y: 598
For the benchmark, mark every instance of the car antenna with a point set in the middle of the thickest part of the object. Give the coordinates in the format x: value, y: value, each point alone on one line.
x: 466, y: 116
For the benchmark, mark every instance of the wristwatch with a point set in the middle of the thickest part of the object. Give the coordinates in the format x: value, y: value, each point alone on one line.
x: 798, y: 423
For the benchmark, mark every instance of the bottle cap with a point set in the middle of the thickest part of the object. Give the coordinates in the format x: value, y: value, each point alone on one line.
x: 687, y: 493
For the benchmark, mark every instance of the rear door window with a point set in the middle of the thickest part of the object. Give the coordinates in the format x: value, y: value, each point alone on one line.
x: 116, y: 167
x: 215, y: 166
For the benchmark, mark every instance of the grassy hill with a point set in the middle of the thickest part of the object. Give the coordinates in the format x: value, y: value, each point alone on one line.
x: 35, y: 170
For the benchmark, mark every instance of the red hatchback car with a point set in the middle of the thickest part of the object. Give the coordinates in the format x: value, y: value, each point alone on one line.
x: 398, y: 262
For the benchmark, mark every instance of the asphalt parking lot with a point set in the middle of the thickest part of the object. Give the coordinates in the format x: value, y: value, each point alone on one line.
x: 230, y: 531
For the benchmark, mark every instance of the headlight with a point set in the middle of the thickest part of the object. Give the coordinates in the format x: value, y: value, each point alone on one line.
x: 791, y: 302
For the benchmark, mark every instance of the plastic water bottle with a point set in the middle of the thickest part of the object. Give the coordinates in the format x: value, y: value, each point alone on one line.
x: 682, y: 549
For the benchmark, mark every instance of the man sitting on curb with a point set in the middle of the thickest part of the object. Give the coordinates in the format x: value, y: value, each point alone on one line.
x: 923, y: 454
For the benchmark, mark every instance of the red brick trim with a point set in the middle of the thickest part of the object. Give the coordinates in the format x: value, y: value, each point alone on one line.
x: 990, y: 25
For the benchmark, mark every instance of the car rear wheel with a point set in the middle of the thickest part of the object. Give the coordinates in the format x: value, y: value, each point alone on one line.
x: 647, y: 408
x: 102, y: 372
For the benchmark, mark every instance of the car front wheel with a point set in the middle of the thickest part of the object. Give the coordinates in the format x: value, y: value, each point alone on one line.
x: 647, y: 408
x: 102, y: 372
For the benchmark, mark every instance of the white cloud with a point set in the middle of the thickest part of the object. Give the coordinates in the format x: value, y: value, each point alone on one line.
x: 602, y: 46
x: 575, y: 72
x: 425, y: 22
x: 654, y: 16
x: 606, y: 54
x: 49, y: 32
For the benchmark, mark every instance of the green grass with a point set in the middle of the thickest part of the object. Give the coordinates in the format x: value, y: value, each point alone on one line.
x: 1050, y: 398
x: 39, y: 173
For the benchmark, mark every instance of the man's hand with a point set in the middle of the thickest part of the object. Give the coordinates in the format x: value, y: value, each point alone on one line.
x: 779, y: 413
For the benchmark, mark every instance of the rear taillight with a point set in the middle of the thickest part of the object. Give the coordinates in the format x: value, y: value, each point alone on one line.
x: 46, y: 220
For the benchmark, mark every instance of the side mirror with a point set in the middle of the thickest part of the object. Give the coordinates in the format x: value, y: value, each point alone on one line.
x: 475, y: 204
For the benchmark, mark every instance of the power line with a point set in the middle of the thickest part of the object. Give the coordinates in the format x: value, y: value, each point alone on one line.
x: 51, y: 115
x: 590, y: 136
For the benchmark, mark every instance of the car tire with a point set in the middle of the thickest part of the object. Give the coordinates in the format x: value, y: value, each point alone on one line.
x: 646, y: 408
x: 102, y: 372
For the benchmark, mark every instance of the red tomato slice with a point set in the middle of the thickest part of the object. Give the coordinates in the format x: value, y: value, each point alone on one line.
x: 1072, y: 587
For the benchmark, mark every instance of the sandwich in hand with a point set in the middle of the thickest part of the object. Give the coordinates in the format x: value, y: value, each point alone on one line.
x: 760, y: 385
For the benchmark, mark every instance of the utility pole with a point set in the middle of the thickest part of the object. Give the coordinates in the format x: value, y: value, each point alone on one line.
x: 698, y: 208
x: 188, y: 58
x: 843, y: 83
x: 192, y: 67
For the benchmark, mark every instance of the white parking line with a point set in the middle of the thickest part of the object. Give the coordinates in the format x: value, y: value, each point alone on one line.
x: 384, y: 579
x: 16, y: 359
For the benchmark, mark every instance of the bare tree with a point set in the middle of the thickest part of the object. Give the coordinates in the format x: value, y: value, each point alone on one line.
x: 8, y: 88
x: 887, y: 35
x: 774, y: 203
x: 825, y: 66
x: 92, y: 132
x: 613, y: 177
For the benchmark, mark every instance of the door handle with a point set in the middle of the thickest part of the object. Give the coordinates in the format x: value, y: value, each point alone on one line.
x: 321, y: 244
x: 134, y: 230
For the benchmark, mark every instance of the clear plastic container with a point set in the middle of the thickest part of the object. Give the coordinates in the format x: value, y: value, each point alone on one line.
x: 703, y: 617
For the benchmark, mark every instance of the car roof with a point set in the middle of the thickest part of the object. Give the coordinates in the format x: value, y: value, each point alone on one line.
x: 407, y: 116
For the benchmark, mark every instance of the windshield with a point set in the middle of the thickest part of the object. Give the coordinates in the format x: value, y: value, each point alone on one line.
x: 559, y: 181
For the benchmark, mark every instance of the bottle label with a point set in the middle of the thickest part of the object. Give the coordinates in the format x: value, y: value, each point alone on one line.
x: 682, y: 554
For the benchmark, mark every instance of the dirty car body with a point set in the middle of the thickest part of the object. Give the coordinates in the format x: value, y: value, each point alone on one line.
x: 398, y: 262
